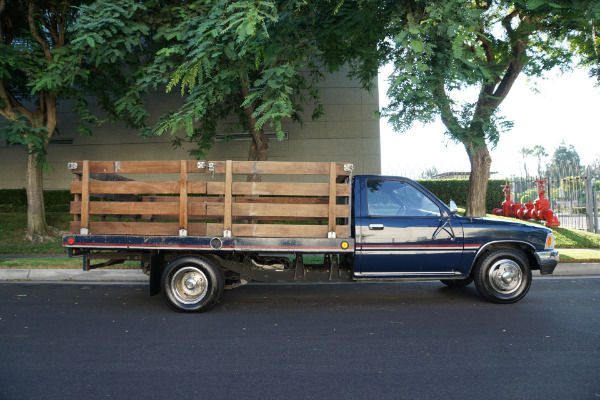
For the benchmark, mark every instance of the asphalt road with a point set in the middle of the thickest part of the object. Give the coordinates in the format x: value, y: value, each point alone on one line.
x: 345, y: 341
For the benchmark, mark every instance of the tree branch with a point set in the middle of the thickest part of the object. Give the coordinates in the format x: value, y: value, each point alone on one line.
x: 51, y: 24
x: 14, y: 104
x: 30, y: 17
x: 447, y: 116
x: 490, y: 57
x: 506, y: 21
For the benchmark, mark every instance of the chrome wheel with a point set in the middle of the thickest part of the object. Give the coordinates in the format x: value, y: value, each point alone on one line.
x: 189, y: 285
x: 505, y: 276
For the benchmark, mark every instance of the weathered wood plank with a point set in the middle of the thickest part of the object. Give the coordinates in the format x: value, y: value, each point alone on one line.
x: 139, y: 228
x: 279, y: 168
x: 85, y: 195
x: 127, y: 208
x: 282, y: 200
x: 332, y: 197
x: 277, y: 189
x: 183, y: 203
x: 240, y: 167
x: 281, y: 211
x: 284, y: 231
x: 133, y: 187
x: 227, y: 208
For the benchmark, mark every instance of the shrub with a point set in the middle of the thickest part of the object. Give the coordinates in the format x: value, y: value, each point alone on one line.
x: 54, y: 200
x: 456, y: 189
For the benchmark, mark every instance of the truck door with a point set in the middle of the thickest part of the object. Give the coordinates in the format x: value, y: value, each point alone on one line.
x: 403, y: 231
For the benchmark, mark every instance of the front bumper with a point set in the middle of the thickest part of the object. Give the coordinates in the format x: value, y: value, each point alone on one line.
x: 547, y: 260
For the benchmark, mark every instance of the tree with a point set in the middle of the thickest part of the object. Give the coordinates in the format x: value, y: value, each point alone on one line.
x: 40, y: 66
x: 565, y: 161
x: 525, y: 152
x: 429, y: 173
x: 445, y: 52
x: 537, y: 151
x: 251, y: 60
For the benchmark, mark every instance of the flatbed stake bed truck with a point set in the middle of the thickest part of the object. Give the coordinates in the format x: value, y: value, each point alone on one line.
x: 200, y: 227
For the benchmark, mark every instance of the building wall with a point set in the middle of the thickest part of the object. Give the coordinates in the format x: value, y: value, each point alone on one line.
x: 348, y: 132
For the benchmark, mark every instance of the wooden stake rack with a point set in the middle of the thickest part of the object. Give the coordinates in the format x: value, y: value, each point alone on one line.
x: 192, y: 198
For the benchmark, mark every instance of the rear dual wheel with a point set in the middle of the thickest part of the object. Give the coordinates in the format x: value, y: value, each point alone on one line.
x: 191, y: 284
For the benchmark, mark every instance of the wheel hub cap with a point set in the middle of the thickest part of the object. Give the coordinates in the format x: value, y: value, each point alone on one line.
x: 189, y: 285
x: 505, y: 276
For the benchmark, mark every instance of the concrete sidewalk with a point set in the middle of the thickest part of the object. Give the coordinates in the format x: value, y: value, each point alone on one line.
x: 136, y: 275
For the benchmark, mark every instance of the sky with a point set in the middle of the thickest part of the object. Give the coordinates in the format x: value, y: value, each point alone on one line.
x: 567, y: 108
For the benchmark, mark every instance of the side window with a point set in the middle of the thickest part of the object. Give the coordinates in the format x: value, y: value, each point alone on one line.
x: 387, y: 198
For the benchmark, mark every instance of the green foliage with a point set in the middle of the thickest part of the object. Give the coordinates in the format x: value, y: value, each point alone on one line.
x: 13, y: 226
x: 54, y: 200
x: 243, y: 58
x: 16, y: 197
x: 457, y: 59
x: 571, y: 238
x: 43, y: 63
x: 565, y: 161
x: 456, y: 189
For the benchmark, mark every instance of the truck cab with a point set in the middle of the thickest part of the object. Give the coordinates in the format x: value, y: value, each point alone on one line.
x: 402, y: 231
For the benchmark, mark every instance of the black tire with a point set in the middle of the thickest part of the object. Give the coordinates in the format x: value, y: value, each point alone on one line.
x: 457, y: 283
x: 191, y: 284
x: 503, y: 276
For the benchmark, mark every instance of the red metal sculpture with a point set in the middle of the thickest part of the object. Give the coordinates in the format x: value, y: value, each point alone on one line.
x: 539, y: 210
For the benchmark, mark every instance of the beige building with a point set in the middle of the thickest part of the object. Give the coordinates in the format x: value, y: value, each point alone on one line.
x: 348, y: 132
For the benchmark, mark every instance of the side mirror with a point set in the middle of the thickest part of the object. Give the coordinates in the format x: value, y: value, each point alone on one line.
x: 453, y: 208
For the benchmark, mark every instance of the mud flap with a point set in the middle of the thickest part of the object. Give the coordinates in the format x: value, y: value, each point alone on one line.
x: 157, y: 264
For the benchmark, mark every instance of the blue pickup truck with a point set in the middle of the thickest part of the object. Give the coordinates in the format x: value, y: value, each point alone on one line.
x: 393, y: 229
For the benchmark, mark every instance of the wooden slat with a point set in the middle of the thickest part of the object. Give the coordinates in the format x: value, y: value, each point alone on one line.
x: 134, y: 187
x: 282, y: 200
x: 279, y: 168
x: 130, y: 167
x: 139, y: 228
x: 77, y: 198
x: 284, y: 231
x: 277, y: 189
x: 85, y: 195
x: 196, y: 187
x: 227, y: 209
x: 332, y: 197
x: 183, y: 204
x: 127, y: 208
x: 175, y: 199
x: 240, y: 167
x: 309, y: 211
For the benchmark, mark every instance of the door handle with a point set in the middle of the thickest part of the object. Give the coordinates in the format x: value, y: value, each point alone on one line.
x: 375, y: 227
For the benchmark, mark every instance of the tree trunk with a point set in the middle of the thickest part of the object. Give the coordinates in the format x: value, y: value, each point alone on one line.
x: 478, y: 180
x: 259, y: 149
x: 37, y: 228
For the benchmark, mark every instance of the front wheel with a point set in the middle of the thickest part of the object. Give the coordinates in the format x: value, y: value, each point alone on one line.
x: 191, y: 284
x: 503, y: 276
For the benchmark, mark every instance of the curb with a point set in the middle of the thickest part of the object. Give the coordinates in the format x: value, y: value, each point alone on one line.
x: 136, y: 275
x: 77, y: 275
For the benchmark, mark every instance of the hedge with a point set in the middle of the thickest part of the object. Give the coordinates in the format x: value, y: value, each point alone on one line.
x: 456, y: 189
x: 54, y: 200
